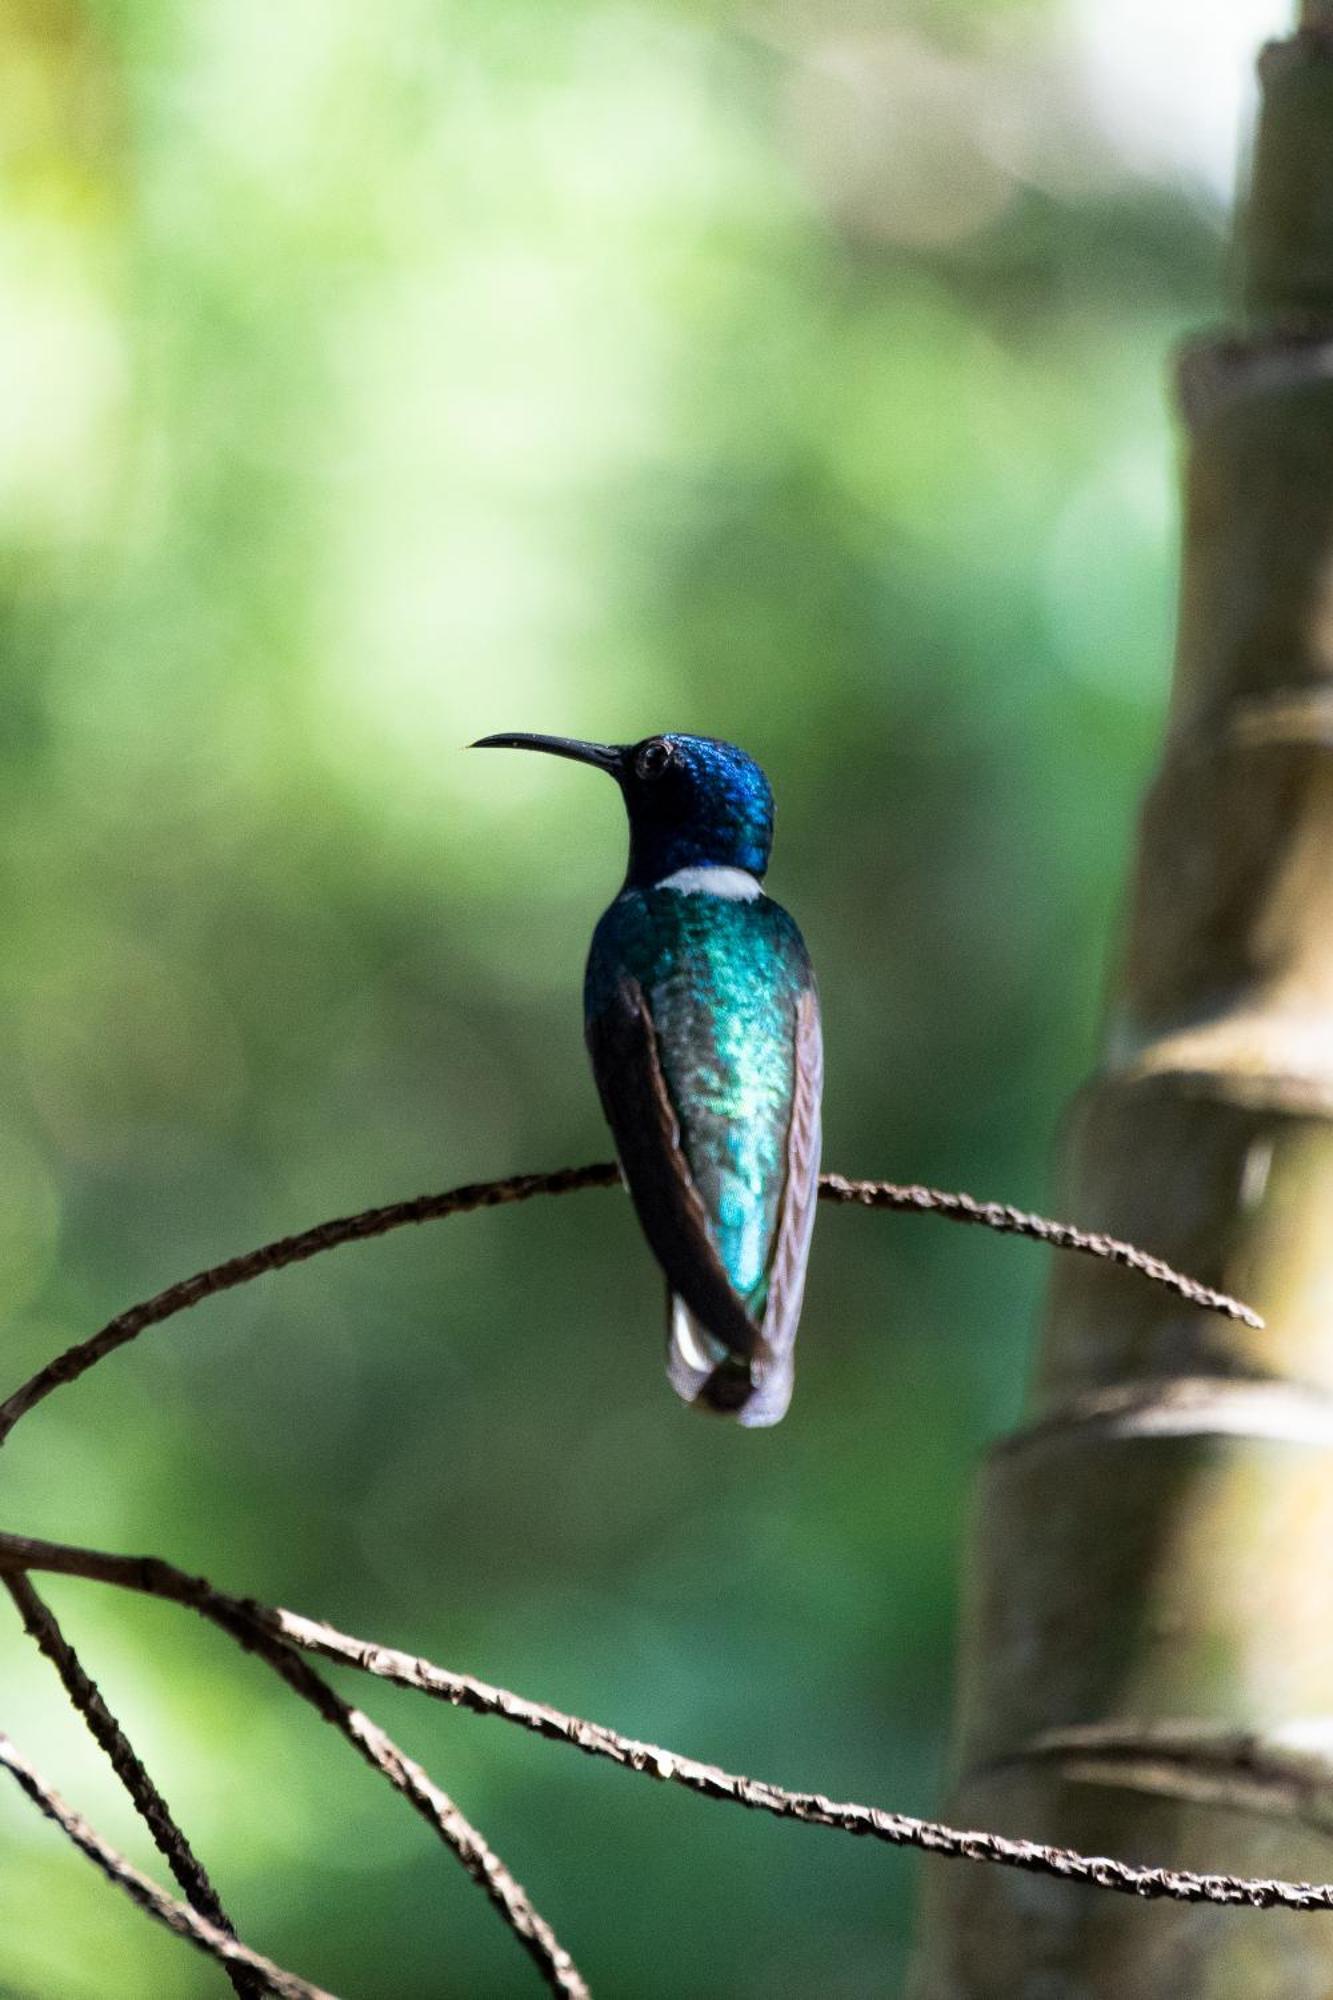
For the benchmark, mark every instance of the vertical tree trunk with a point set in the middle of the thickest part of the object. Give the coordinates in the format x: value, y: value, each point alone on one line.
x: 1147, y: 1664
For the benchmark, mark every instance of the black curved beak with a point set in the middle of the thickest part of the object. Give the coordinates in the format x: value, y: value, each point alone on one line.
x: 606, y: 756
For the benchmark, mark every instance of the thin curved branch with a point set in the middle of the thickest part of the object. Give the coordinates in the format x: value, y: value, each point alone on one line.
x: 1009, y: 1221
x: 177, y: 1917
x: 481, y: 1861
x: 266, y: 1624
x: 264, y: 1639
x: 368, y: 1739
x: 224, y: 1277
x: 379, y: 1750
x: 41, y: 1625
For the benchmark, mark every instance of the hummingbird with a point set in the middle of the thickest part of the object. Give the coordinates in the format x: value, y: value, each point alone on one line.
x: 701, y: 1018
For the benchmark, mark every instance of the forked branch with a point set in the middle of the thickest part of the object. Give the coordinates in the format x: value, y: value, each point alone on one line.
x: 267, y: 1628
x: 40, y: 1624
x: 281, y: 1637
x: 177, y: 1917
x: 264, y: 1639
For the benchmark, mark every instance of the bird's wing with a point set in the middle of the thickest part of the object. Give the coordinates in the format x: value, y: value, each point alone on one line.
x: 786, y: 1279
x: 622, y: 1042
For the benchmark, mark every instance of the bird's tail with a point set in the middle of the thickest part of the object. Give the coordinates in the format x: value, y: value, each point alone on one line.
x: 703, y: 1371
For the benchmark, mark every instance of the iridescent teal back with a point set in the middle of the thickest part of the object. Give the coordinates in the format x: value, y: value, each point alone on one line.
x: 702, y: 1023
x: 722, y: 978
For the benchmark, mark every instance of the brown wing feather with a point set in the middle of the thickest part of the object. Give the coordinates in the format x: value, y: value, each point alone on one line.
x: 786, y: 1283
x: 623, y: 1044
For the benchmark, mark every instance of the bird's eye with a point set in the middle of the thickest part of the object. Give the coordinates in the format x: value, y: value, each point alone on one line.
x: 655, y: 759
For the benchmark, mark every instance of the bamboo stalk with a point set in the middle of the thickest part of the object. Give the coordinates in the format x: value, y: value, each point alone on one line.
x: 1147, y: 1661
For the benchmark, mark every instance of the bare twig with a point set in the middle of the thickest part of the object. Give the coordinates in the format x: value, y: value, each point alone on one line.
x: 275, y: 1634
x: 264, y: 1623
x: 482, y: 1863
x: 1009, y: 1221
x: 177, y: 1917
x: 76, y: 1360
x: 224, y: 1277
x: 265, y: 1638
x: 39, y: 1621
x: 269, y: 1643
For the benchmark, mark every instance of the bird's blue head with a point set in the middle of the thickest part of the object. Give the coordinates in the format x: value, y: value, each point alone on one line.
x: 693, y: 802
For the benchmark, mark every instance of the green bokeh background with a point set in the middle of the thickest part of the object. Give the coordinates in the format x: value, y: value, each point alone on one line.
x: 380, y: 376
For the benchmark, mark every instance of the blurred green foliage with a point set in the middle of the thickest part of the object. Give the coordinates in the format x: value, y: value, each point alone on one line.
x: 381, y: 376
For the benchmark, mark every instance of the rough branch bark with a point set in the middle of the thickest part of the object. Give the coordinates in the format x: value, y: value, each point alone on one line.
x: 260, y: 1629
x: 273, y: 1632
x: 40, y: 1624
x: 263, y: 1636
x: 1147, y: 1662
x: 177, y: 1917
x: 371, y: 1222
x: 276, y: 1635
